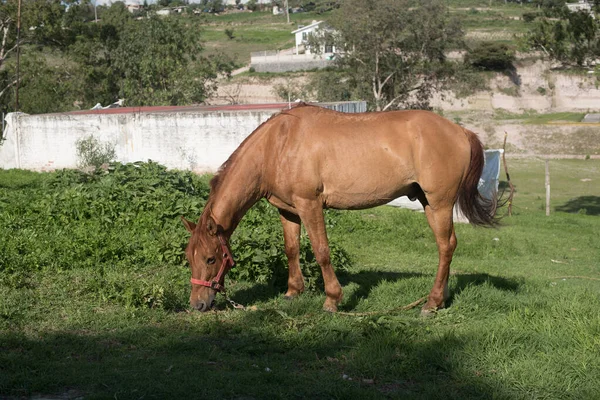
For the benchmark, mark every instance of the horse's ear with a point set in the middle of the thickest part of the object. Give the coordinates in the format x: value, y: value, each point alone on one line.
x: 189, y: 225
x: 211, y: 226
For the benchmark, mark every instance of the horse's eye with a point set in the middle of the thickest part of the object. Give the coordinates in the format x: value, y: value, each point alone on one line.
x: 211, y: 260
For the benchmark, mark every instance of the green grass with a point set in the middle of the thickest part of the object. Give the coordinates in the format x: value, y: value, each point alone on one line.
x: 514, y: 328
x: 533, y: 118
x: 257, y: 31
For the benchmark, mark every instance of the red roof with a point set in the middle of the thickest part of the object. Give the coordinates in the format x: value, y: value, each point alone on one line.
x: 155, y: 109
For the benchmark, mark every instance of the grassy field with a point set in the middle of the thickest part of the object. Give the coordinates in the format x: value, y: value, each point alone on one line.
x: 264, y: 31
x: 252, y: 32
x: 523, y: 319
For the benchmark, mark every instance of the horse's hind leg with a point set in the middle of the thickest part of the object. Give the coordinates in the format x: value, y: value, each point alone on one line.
x: 312, y: 218
x: 291, y: 237
x: 439, y: 216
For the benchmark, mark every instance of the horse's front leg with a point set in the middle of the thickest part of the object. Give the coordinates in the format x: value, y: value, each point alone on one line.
x: 291, y: 237
x: 311, y: 214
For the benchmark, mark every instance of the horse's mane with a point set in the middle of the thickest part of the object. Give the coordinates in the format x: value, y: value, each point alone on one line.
x: 219, y: 177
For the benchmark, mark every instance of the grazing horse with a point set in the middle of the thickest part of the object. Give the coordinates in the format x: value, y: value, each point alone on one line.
x: 308, y: 158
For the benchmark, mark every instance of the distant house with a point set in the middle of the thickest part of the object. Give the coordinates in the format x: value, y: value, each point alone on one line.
x: 582, y: 5
x: 164, y: 11
x: 302, y: 57
x: 133, y: 7
x: 303, y: 34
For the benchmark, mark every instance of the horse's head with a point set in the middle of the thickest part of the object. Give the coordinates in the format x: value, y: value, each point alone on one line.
x: 209, y: 259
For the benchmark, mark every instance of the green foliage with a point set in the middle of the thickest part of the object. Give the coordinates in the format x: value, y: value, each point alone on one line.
x: 331, y: 86
x: 530, y: 16
x: 252, y: 5
x: 258, y: 248
x: 147, y: 61
x: 552, y: 8
x: 229, y: 32
x: 122, y: 226
x: 467, y: 80
x: 159, y: 61
x: 92, y: 153
x: 573, y: 38
x: 491, y: 56
x: 369, y: 34
x: 212, y: 6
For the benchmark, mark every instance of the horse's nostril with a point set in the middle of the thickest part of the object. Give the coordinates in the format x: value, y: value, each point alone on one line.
x: 201, y: 306
x: 212, y: 304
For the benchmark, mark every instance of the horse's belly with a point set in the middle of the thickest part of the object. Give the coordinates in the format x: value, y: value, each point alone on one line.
x: 367, y: 181
x: 363, y: 196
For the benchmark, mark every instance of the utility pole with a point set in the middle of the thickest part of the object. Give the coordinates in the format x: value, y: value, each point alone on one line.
x: 18, y: 55
x: 287, y: 10
x: 95, y: 12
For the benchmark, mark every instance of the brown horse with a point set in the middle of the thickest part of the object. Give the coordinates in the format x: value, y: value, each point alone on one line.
x: 308, y: 158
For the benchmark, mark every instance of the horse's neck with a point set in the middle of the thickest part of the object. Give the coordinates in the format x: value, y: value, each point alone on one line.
x: 239, y: 191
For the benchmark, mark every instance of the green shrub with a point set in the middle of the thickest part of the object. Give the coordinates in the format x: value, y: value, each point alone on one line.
x: 122, y: 225
x: 491, y: 56
x: 530, y: 16
x: 92, y: 153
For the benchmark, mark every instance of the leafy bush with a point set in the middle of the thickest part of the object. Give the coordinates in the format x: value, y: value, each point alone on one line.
x: 530, y: 16
x: 92, y: 153
x: 122, y: 226
x: 491, y: 56
x: 258, y: 248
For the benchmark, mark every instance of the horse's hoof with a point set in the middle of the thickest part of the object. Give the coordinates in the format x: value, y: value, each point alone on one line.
x: 428, y: 312
x: 329, y: 308
x: 288, y: 298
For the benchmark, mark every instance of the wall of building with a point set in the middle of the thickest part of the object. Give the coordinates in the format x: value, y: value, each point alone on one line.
x: 198, y: 141
x: 287, y: 61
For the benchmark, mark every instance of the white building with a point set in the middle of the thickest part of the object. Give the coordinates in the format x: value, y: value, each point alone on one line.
x: 582, y: 5
x: 303, y: 33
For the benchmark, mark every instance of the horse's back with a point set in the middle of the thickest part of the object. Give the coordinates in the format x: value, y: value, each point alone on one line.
x: 364, y: 160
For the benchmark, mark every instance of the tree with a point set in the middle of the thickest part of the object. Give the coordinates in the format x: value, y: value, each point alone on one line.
x: 392, y: 51
x: 572, y: 39
x: 551, y: 8
x: 41, y: 24
x: 158, y: 62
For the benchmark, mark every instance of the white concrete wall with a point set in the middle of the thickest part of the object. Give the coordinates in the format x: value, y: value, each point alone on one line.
x: 198, y: 141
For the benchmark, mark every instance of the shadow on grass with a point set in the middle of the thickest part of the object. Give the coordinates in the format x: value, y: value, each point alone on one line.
x: 588, y: 205
x: 465, y: 280
x: 367, y: 280
x: 251, y: 357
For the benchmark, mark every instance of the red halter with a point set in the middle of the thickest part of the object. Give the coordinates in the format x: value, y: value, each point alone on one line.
x: 227, y: 263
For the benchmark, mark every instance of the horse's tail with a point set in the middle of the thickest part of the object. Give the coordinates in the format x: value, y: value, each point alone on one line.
x: 479, y: 210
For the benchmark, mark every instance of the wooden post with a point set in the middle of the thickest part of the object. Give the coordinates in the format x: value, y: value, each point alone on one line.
x: 512, y: 188
x: 547, y: 189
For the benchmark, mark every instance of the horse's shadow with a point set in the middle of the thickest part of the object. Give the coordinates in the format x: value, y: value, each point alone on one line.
x: 367, y: 280
x: 464, y: 280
